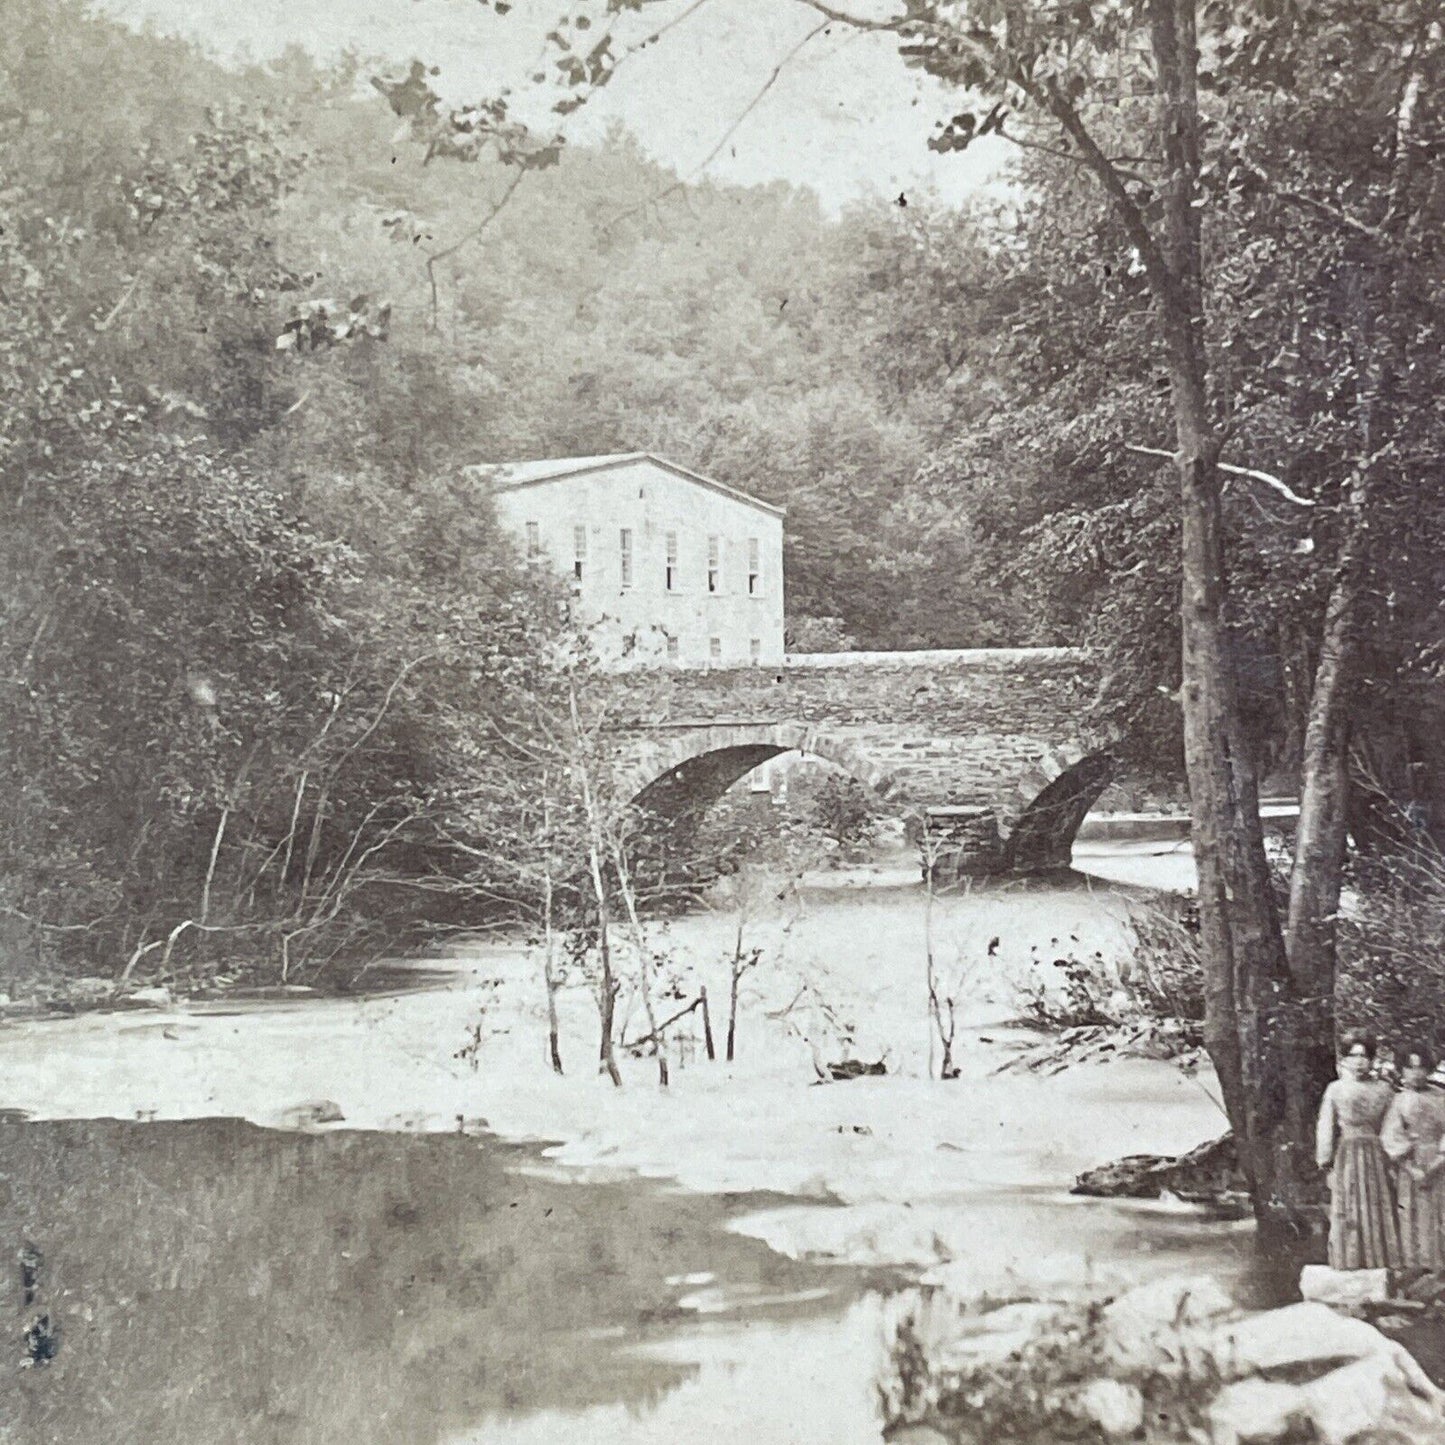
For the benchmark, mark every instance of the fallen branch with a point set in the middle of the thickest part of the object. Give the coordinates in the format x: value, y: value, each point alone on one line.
x: 657, y: 1035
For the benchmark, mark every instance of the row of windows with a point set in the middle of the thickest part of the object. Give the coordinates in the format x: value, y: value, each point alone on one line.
x: 672, y: 574
x: 714, y: 648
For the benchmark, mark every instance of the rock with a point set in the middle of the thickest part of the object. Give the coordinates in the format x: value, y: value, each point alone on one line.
x: 1115, y: 1407
x: 1136, y: 1176
x: 1345, y: 1289
x: 856, y: 1069
x: 1251, y: 1412
x: 1163, y: 1325
x: 1208, y: 1174
x: 155, y: 997
x: 42, y: 1342
x: 1426, y: 1288
x: 1386, y: 1393
x: 311, y: 1114
x: 1382, y: 1392
x: 1304, y: 1338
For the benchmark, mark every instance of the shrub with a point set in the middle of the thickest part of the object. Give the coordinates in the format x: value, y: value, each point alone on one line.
x: 1030, y: 1396
x: 1162, y: 979
x: 843, y: 810
x: 1165, y: 974
x: 1391, y: 978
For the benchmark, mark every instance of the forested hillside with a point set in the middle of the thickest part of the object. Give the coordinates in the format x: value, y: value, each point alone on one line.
x: 254, y: 327
x: 608, y: 307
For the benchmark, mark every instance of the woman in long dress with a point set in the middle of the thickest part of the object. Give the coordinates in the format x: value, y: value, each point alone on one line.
x: 1363, y: 1229
x: 1411, y: 1134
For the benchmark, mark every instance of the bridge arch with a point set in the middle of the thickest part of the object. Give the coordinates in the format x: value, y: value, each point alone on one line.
x: 676, y: 779
x: 1040, y: 814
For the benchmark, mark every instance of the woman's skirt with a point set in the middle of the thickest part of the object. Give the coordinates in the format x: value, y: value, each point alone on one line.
x: 1421, y: 1214
x: 1363, y: 1229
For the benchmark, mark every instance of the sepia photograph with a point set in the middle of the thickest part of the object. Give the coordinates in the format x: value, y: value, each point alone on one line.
x: 722, y: 721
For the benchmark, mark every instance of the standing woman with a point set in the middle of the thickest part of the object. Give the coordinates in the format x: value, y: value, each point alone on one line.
x: 1363, y: 1230
x: 1411, y: 1135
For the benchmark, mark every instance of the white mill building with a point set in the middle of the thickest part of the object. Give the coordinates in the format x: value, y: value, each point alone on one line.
x: 668, y: 567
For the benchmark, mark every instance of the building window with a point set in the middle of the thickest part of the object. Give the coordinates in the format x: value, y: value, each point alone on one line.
x: 755, y: 650
x: 714, y: 649
x: 755, y: 568
x: 534, y: 540
x: 626, y: 556
x: 672, y: 561
x: 579, y: 552
x: 714, y: 564
x: 672, y: 649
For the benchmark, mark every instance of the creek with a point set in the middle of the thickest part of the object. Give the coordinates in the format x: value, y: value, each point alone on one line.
x: 494, y: 1254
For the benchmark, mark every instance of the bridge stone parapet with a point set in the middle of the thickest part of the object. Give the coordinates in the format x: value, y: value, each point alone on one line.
x: 994, y: 745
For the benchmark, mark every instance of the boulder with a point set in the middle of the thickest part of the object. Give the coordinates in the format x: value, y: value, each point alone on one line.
x: 1253, y: 1412
x: 1135, y: 1176
x: 1345, y: 1289
x: 1207, y: 1174
x: 856, y: 1069
x: 1164, y: 1325
x: 1382, y: 1392
x: 1385, y: 1393
x: 1115, y: 1407
x: 1301, y: 1339
x: 311, y: 1114
x: 156, y: 996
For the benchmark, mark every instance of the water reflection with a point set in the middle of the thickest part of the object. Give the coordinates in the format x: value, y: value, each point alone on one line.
x: 211, y: 1281
x: 764, y: 1382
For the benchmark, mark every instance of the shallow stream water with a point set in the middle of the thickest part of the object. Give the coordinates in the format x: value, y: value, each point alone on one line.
x: 213, y: 1281
x: 416, y: 1279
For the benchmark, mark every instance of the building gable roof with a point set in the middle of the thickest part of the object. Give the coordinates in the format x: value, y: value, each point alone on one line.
x: 512, y: 476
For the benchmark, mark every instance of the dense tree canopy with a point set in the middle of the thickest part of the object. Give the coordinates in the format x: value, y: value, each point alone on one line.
x: 257, y: 321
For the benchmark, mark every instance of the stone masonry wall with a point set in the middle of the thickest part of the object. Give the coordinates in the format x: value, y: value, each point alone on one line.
x: 944, y: 727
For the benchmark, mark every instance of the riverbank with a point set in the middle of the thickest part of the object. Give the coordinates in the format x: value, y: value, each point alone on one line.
x: 1129, y: 870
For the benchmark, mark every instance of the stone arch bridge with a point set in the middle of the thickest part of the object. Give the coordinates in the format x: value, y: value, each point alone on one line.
x: 991, y: 747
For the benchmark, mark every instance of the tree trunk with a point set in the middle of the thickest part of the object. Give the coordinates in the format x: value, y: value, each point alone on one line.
x: 607, y: 990
x: 733, y: 983
x: 549, y: 970
x: 644, y: 980
x: 1319, y: 852
x: 706, y: 1026
x: 607, y: 997
x: 549, y: 961
x: 554, y: 1033
x: 1319, y: 857
x: 1269, y: 1093
x: 935, y: 1021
